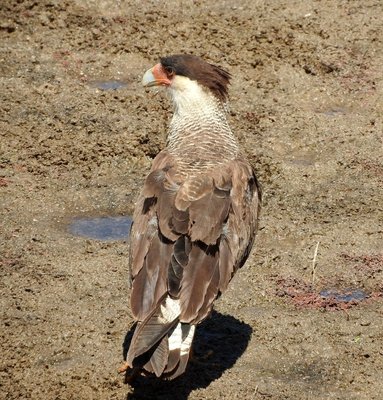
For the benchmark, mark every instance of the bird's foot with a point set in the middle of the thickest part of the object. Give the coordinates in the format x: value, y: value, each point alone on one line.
x: 202, y: 358
x: 130, y: 373
x: 124, y: 367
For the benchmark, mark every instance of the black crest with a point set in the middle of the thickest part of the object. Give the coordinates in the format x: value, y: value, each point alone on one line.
x: 211, y: 76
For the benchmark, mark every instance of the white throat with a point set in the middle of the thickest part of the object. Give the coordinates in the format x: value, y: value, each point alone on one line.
x: 193, y: 102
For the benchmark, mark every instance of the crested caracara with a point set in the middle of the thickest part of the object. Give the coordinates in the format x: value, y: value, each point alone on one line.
x: 195, y: 219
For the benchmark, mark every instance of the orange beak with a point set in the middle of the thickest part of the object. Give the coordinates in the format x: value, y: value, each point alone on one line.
x: 155, y: 76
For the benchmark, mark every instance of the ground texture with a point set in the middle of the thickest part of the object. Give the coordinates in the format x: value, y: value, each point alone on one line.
x: 306, y: 104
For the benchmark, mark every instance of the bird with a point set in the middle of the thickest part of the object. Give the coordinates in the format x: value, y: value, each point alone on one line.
x: 195, y: 219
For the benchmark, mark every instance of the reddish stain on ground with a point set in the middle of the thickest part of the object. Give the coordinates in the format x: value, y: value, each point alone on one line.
x: 368, y: 263
x: 4, y: 182
x: 303, y: 295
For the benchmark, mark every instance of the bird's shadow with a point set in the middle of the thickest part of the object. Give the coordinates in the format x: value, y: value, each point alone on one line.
x: 218, y: 343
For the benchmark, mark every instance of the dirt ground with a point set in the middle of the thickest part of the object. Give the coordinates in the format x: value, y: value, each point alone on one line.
x: 306, y: 104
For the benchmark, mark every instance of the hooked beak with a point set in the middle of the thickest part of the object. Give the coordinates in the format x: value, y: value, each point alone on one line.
x: 155, y: 76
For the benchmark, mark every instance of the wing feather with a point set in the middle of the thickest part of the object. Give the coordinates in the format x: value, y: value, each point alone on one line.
x: 190, y: 234
x: 150, y: 284
x: 208, y: 215
x: 203, y: 261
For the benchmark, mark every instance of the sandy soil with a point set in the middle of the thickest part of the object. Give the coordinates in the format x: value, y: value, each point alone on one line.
x: 306, y: 103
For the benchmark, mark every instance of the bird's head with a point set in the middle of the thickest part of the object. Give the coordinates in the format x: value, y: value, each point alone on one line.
x: 181, y: 73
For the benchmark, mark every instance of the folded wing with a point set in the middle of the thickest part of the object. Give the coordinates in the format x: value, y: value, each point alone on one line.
x: 190, y: 234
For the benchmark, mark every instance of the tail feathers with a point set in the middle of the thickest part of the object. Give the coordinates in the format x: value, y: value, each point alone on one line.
x: 158, y: 360
x: 184, y: 347
x: 161, y: 343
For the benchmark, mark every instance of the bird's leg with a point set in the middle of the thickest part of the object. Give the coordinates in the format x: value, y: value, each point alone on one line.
x: 199, y: 359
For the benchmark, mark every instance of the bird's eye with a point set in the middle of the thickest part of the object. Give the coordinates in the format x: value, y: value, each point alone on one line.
x: 169, y: 71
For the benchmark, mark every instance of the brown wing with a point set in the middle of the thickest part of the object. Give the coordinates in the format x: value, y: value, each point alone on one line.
x: 190, y: 235
x: 150, y: 250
